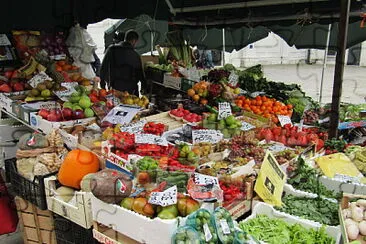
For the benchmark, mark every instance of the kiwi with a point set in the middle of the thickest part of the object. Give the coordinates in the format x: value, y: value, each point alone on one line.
x: 41, y: 86
x: 49, y: 84
x: 35, y: 92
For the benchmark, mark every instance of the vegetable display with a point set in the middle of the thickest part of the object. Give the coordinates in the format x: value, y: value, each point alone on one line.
x: 224, y: 225
x: 274, y: 231
x: 201, y: 221
x: 305, y: 178
x: 354, y: 219
x: 317, y: 209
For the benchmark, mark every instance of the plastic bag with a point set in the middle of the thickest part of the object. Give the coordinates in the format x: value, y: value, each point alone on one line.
x: 186, y: 235
x: 224, y: 225
x: 201, y: 220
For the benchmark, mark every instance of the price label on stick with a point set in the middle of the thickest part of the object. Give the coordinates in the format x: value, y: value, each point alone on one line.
x: 224, y: 110
x: 150, y: 139
x: 165, y: 198
x: 246, y: 126
x: 38, y: 78
x: 205, y: 180
x: 284, y: 120
x: 211, y: 136
x: 233, y: 79
x: 225, y: 226
x: 70, y: 89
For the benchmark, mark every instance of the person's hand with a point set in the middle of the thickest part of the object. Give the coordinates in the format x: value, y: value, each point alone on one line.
x: 96, y: 79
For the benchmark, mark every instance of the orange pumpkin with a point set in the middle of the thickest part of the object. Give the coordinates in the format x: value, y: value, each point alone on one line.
x: 75, y: 166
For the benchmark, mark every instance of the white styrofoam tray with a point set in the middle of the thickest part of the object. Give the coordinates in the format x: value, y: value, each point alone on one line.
x: 268, y: 210
x: 134, y: 225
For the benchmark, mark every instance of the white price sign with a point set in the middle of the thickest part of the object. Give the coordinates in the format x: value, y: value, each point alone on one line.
x: 70, y: 89
x: 211, y: 136
x: 121, y: 114
x: 165, y: 198
x: 205, y: 180
x: 233, y: 79
x: 150, y: 139
x: 224, y: 110
x: 207, y: 232
x: 225, y: 226
x: 284, y: 120
x: 134, y: 128
x: 39, y: 78
x: 246, y: 126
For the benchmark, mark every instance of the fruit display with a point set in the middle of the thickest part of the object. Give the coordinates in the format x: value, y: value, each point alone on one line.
x: 154, y: 128
x: 146, y: 170
x: 230, y: 126
x: 291, y: 136
x: 262, y: 105
x: 182, y: 114
x: 43, y: 91
x: 186, y: 154
x: 170, y: 164
x: 174, y: 178
x: 199, y: 92
x: 79, y: 103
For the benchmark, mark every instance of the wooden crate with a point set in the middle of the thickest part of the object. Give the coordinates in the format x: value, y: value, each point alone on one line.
x: 37, y: 225
x: 107, y: 235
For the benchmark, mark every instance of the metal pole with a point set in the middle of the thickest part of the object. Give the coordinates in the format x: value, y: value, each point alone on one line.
x: 324, y: 63
x: 152, y: 42
x: 339, y: 67
x: 223, y: 47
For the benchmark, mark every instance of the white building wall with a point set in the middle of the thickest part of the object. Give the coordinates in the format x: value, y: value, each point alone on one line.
x: 274, y: 50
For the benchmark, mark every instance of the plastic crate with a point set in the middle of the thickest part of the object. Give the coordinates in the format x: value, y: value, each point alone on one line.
x: 67, y: 232
x: 32, y: 191
x: 186, y: 84
x: 155, y: 74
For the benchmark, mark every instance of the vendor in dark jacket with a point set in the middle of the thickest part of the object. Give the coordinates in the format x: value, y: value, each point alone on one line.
x: 121, y: 67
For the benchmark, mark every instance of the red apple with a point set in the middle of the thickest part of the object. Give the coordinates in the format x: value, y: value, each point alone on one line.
x: 52, y: 117
x: 43, y: 113
x: 17, y: 86
x: 67, y: 113
x: 8, y: 74
x: 78, y: 114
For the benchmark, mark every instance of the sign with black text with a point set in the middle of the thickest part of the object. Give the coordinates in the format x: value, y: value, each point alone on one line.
x: 211, y: 136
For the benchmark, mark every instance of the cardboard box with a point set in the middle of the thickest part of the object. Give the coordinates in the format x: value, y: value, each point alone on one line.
x: 37, y: 225
x: 24, y: 110
x: 133, y: 225
x: 78, y: 210
x: 109, y: 236
x: 46, y: 126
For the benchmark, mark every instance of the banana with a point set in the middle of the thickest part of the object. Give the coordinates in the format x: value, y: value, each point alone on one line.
x: 41, y: 68
x: 29, y: 68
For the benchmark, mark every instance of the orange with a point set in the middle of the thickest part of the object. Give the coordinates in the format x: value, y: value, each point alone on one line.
x: 258, y: 98
x: 204, y: 101
x: 191, y: 92
x: 196, y: 98
x: 289, y: 106
x: 239, y: 103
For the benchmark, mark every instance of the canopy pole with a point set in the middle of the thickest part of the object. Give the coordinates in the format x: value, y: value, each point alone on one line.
x: 324, y: 63
x: 339, y: 67
x: 223, y: 47
x: 151, y: 42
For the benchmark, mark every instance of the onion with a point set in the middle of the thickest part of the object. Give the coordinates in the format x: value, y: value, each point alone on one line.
x: 352, y: 231
x: 362, y: 227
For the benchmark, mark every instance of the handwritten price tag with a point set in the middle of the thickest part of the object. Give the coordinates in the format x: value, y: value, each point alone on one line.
x: 133, y: 128
x: 150, y: 139
x: 38, y: 78
x: 165, y: 198
x: 207, y: 232
x: 211, y: 136
x: 205, y: 180
x: 284, y: 120
x: 224, y: 110
x: 246, y: 126
x: 233, y: 79
x: 70, y: 89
